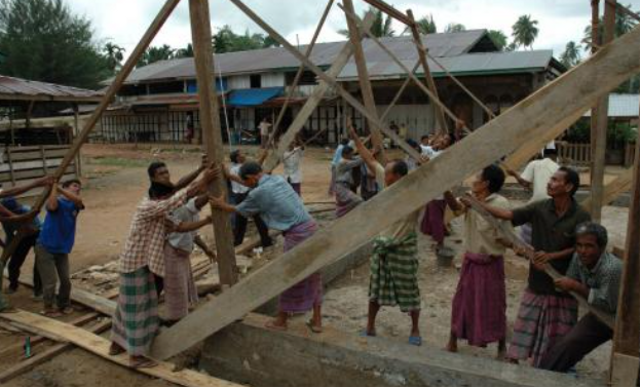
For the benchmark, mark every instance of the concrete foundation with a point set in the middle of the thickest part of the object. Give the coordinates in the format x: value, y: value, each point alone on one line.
x: 247, y: 353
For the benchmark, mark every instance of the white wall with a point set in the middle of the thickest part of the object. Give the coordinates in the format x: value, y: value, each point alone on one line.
x: 273, y: 80
x: 239, y: 82
x: 419, y: 118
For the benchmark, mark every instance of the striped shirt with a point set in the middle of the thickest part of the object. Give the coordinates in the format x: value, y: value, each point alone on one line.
x: 145, y: 243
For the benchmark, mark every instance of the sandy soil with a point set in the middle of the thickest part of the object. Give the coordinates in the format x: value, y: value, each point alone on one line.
x: 116, y: 180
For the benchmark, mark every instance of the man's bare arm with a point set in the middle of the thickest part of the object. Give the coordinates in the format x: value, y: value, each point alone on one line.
x: 77, y: 200
x: 45, y: 181
x: 366, y: 155
x: 190, y: 178
x: 452, y: 202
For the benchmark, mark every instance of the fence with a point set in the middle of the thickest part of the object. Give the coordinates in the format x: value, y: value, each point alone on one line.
x: 23, y: 164
x: 574, y: 154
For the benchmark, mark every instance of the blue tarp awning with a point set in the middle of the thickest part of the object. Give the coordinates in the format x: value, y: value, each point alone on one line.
x: 253, y: 97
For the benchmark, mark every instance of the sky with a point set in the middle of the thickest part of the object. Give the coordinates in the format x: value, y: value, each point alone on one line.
x: 124, y: 21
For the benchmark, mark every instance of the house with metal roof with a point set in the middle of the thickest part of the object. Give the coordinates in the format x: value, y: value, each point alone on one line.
x: 159, y: 102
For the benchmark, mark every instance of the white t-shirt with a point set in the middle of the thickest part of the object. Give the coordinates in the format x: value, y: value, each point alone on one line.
x: 186, y: 213
x: 264, y: 128
x: 291, y: 162
x: 538, y: 173
x: 236, y: 187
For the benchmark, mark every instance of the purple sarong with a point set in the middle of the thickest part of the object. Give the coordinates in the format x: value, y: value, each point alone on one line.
x: 433, y: 220
x: 479, y: 305
x: 346, y: 200
x: 302, y: 296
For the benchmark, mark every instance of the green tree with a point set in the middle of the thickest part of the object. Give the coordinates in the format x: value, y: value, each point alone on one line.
x: 525, y: 31
x: 426, y: 25
x: 114, y: 55
x: 571, y: 55
x: 455, y: 27
x: 155, y: 54
x: 186, y: 52
x: 225, y: 40
x: 381, y: 26
x: 44, y: 41
x: 624, y: 24
x: 499, y: 39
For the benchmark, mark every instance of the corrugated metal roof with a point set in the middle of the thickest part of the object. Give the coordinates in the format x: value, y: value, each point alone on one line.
x: 22, y: 89
x: 622, y: 106
x: 493, y: 62
x: 439, y: 45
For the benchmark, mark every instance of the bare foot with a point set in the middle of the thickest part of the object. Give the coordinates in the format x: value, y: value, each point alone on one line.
x: 315, y: 328
x: 51, y: 313
x: 115, y: 350
x: 451, y: 347
x: 502, y: 354
x: 141, y: 362
x: 275, y: 325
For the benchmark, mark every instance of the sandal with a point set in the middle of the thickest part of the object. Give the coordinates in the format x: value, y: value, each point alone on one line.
x: 115, y: 350
x: 314, y: 328
x: 415, y: 340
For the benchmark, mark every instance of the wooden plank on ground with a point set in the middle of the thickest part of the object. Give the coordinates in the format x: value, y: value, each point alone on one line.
x: 46, y: 355
x: 100, y: 346
x: 568, y: 96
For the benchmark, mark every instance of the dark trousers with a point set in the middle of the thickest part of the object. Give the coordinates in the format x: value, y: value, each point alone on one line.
x: 588, y: 334
x: 17, y: 260
x: 241, y: 226
x: 53, y: 268
x: 159, y: 281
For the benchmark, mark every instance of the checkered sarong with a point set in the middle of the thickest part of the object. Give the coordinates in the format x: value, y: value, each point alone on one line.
x: 136, y: 322
x: 543, y: 319
x: 394, y: 273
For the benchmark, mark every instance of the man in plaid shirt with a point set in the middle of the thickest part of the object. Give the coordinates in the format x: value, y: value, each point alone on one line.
x: 136, y: 321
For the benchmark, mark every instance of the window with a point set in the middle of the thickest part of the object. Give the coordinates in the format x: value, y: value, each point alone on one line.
x: 255, y: 81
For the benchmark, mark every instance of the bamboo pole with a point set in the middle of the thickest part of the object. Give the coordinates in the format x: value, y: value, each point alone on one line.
x: 212, y: 133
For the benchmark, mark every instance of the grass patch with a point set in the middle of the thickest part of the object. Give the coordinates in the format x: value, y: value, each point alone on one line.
x: 118, y: 162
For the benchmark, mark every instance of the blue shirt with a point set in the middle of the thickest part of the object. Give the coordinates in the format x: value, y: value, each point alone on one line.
x: 337, y: 155
x: 59, y: 229
x: 277, y: 203
x: 11, y: 204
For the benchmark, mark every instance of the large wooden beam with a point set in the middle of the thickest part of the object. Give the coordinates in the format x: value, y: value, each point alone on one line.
x: 613, y: 189
x: 110, y: 94
x: 312, y: 103
x: 627, y: 332
x: 97, y: 345
x: 355, y: 36
x: 599, y: 136
x: 212, y: 133
x: 422, y: 56
x: 570, y: 95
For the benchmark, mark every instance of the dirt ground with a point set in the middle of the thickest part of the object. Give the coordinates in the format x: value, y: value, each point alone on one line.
x: 115, y: 180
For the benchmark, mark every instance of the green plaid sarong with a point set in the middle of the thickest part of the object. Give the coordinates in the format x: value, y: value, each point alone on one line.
x: 394, y: 272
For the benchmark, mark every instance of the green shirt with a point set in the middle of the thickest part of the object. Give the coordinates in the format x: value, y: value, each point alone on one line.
x: 550, y: 233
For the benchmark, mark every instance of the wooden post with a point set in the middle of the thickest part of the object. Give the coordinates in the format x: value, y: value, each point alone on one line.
x: 599, y: 142
x: 422, y: 55
x: 296, y: 79
x: 366, y: 89
x: 625, y: 362
x: 76, y: 130
x: 595, y: 44
x: 212, y: 134
x: 534, y: 115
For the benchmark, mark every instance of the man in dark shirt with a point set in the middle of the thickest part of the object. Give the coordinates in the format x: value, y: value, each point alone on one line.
x: 546, y: 314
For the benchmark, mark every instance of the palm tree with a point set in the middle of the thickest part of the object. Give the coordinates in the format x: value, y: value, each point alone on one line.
x: 381, y: 26
x: 426, y: 25
x: 156, y: 54
x: 114, y: 55
x: 499, y: 39
x: 624, y: 24
x: 455, y: 27
x: 571, y: 55
x: 525, y: 31
x: 186, y: 52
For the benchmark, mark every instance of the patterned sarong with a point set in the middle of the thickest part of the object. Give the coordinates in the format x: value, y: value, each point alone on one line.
x: 346, y: 200
x: 480, y: 304
x: 135, y: 322
x: 543, y: 319
x: 394, y: 273
x: 179, y: 286
x: 302, y: 296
